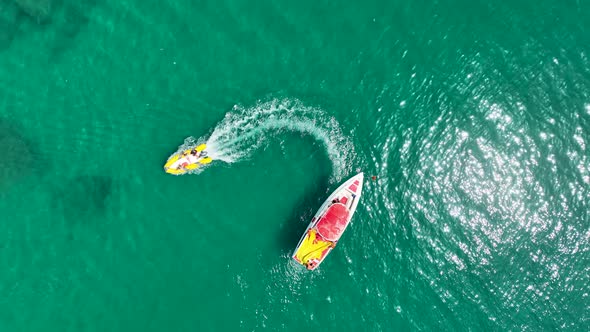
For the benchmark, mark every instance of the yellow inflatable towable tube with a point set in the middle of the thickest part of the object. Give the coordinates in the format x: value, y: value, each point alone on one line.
x: 187, y: 160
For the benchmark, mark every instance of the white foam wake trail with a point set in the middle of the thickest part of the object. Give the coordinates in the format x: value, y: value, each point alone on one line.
x: 244, y: 130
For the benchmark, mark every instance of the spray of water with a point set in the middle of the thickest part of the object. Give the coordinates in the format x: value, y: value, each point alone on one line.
x: 245, y: 130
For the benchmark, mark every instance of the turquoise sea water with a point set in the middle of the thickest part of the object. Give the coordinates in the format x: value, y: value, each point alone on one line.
x: 473, y: 116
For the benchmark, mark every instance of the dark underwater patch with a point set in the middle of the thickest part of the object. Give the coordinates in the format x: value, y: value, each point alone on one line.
x: 17, y: 159
x: 85, y: 198
x: 62, y: 19
x: 71, y: 19
x: 10, y: 17
x: 38, y: 10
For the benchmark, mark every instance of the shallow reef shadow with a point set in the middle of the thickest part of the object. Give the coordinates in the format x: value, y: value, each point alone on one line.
x: 39, y: 10
x: 66, y: 17
x: 16, y: 17
x: 10, y: 20
x: 18, y: 160
x: 69, y: 22
x: 84, y: 200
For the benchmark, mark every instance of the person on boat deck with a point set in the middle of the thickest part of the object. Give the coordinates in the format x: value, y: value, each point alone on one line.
x: 335, y: 200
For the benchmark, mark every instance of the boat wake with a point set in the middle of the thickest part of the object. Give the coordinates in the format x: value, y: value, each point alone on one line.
x: 245, y: 130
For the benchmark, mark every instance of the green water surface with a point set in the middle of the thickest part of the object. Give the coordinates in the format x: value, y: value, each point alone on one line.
x: 473, y: 115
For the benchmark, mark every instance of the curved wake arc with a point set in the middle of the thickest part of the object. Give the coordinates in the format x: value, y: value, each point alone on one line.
x: 244, y: 130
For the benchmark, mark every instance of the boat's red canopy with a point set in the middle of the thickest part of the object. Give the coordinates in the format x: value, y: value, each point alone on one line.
x: 333, y: 222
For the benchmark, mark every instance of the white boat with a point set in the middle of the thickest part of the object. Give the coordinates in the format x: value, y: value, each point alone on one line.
x: 328, y: 224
